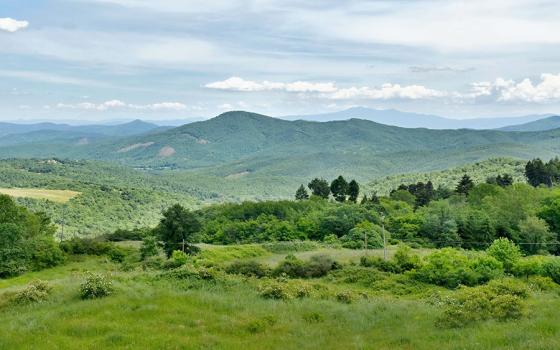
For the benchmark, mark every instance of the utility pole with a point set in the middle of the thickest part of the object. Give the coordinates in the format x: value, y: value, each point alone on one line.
x: 384, y: 238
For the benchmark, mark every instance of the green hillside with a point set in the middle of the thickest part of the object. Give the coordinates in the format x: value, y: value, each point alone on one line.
x: 538, y: 125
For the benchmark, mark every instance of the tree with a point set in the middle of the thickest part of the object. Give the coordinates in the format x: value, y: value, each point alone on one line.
x: 537, y: 173
x: 319, y: 188
x: 353, y: 191
x: 339, y: 189
x: 505, y: 251
x: 465, y: 185
x: 149, y: 246
x: 504, y: 180
x: 301, y: 193
x: 177, y: 228
x: 535, y: 233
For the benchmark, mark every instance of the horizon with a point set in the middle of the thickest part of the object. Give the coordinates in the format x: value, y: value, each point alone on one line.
x: 175, y: 60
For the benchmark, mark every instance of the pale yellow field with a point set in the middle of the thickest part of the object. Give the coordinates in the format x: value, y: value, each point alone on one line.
x: 60, y: 196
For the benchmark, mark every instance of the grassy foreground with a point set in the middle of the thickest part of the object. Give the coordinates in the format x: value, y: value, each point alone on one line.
x: 148, y: 312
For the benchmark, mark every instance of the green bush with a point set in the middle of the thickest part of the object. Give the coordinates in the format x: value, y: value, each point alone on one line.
x: 117, y: 254
x: 95, y: 286
x: 405, y: 260
x: 446, y: 267
x: 36, y: 291
x: 380, y: 264
x: 346, y: 297
x: 248, y: 268
x: 45, y: 253
x: 505, y: 251
x: 317, y: 266
x: 528, y: 266
x: 469, y: 305
x: 274, y: 290
x: 485, y: 267
x: 85, y: 246
x: 551, y: 268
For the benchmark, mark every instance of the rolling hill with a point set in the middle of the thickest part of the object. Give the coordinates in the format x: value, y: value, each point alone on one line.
x: 244, y: 148
x: 549, y: 123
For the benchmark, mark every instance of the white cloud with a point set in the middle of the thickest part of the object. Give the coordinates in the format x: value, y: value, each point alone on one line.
x: 501, y: 90
x: 330, y: 90
x: 388, y: 91
x: 117, y: 104
x: 239, y: 84
x: 11, y: 25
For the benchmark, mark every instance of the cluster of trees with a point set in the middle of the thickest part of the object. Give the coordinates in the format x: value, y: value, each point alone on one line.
x: 541, y: 173
x: 26, y: 240
x: 340, y: 189
x: 470, y: 216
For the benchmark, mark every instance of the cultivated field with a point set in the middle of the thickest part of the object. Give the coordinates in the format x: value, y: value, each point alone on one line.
x: 59, y: 196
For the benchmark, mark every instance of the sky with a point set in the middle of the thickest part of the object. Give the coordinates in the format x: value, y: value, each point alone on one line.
x: 102, y: 60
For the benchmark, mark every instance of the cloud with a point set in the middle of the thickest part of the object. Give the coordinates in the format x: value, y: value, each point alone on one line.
x: 11, y: 25
x: 329, y: 90
x: 239, y: 84
x: 118, y: 104
x: 388, y: 91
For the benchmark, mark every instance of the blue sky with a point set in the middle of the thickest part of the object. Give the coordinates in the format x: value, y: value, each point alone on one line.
x: 180, y: 59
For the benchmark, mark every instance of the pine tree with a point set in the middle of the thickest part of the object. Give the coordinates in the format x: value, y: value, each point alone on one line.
x: 320, y: 188
x: 301, y: 193
x: 339, y: 189
x: 353, y: 191
x: 465, y: 185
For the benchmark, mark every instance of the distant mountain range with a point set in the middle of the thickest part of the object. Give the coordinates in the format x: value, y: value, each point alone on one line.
x: 537, y: 125
x: 416, y: 120
x: 127, y: 129
x: 251, y: 146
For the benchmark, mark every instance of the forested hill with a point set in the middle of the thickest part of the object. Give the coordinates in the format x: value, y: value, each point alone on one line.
x: 242, y: 143
x: 549, y: 123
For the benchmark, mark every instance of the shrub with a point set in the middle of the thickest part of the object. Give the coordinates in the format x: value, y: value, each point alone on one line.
x: 405, y: 260
x: 36, y: 291
x: 551, y: 268
x: 45, y: 253
x: 274, y: 291
x: 379, y: 263
x: 485, y: 267
x: 95, y: 286
x: 116, y: 254
x: 540, y: 283
x: 317, y: 266
x: 470, y: 305
x: 346, y: 297
x: 509, y: 286
x: 332, y: 241
x: 529, y: 266
x: 505, y: 251
x: 177, y: 259
x: 291, y: 267
x: 85, y: 246
x: 120, y: 235
x: 248, y: 268
x: 446, y: 267
x: 149, y: 247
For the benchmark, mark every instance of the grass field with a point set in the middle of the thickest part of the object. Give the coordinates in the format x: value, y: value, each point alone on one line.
x: 59, y: 196
x: 148, y: 312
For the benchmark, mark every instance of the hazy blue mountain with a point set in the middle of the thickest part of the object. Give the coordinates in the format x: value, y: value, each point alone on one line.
x: 416, y: 120
x: 548, y: 123
x: 127, y: 129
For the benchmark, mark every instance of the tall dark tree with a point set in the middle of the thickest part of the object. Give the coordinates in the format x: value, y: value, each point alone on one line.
x: 353, y: 191
x: 465, y: 185
x: 537, y: 173
x: 177, y: 228
x: 320, y: 188
x: 504, y: 180
x: 301, y: 193
x: 339, y: 189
